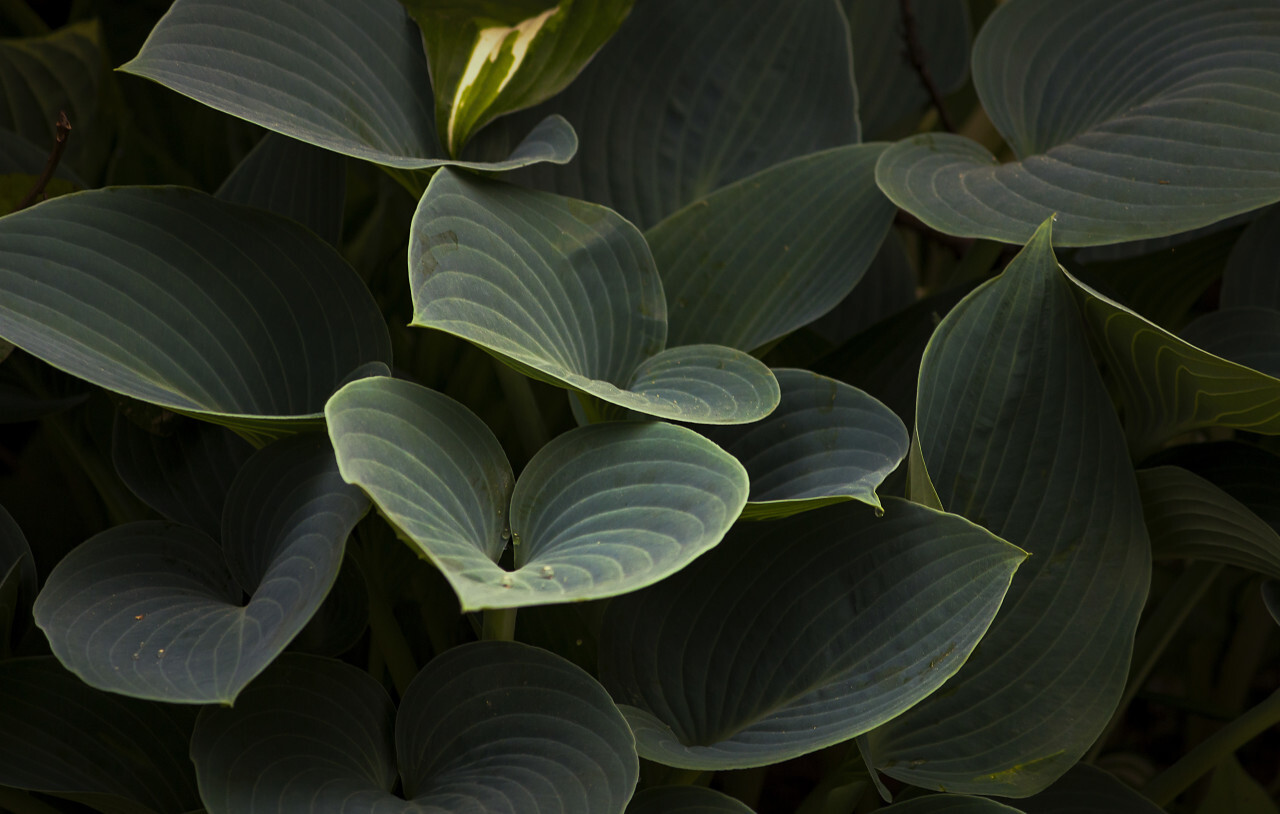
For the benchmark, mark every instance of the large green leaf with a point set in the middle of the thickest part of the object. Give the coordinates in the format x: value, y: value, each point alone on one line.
x: 599, y: 511
x: 1086, y: 790
x: 294, y: 179
x: 18, y: 582
x: 1017, y: 433
x: 119, y: 755
x: 765, y: 255
x: 156, y: 610
x: 1245, y: 472
x: 498, y: 56
x: 172, y: 297
x: 345, y: 75
x: 1129, y: 119
x: 689, y: 96
x: 824, y: 625
x: 489, y: 726
x: 568, y: 292
x: 827, y: 442
x: 684, y: 800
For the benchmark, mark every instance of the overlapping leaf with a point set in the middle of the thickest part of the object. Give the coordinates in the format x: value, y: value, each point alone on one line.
x: 789, y: 243
x: 1129, y: 119
x: 156, y: 610
x: 567, y: 291
x: 490, y: 726
x: 1087, y: 790
x: 293, y: 179
x: 684, y: 800
x: 1017, y: 433
x: 18, y: 580
x: 345, y: 75
x: 599, y: 511
x: 825, y: 625
x: 827, y: 442
x: 172, y: 297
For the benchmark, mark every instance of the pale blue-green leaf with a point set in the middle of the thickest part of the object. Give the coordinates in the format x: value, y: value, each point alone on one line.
x: 67, y: 739
x: 1017, y: 432
x: 142, y: 291
x: 684, y: 800
x: 294, y: 179
x: 1129, y: 119
x: 1246, y: 335
x: 825, y: 625
x: 18, y: 581
x: 827, y: 442
x: 1250, y: 277
x: 702, y: 384
x: 950, y: 804
x: 759, y: 258
x: 156, y: 610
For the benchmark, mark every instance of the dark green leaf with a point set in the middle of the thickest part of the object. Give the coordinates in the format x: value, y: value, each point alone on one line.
x: 341, y: 619
x: 294, y: 179
x: 825, y: 625
x: 1271, y: 598
x: 18, y: 582
x: 1232, y: 789
x: 684, y: 800
x: 156, y: 610
x: 1129, y: 119
x: 1250, y: 278
x: 950, y: 804
x: 1242, y: 334
x: 1086, y: 790
x: 1245, y: 472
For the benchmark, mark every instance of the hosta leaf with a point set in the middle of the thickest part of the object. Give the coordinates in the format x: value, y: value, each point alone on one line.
x: 294, y: 179
x: 568, y: 292
x: 1129, y: 119
x: 765, y: 255
x: 117, y: 754
x: 489, y: 726
x: 345, y: 75
x: 1017, y: 433
x: 1250, y: 276
x: 688, y: 97
x: 825, y: 625
x: 684, y: 800
x: 341, y: 619
x: 950, y: 804
x: 1086, y: 790
x: 1189, y: 517
x: 827, y: 442
x: 1247, y: 473
x: 503, y: 55
x: 156, y: 610
x: 18, y: 581
x: 1245, y: 335
x: 599, y: 511
x: 1233, y: 789
x: 144, y: 292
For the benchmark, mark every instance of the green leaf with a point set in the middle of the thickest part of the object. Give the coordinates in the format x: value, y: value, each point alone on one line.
x: 141, y: 291
x: 18, y: 582
x: 1271, y: 598
x: 684, y: 800
x: 1188, y: 517
x: 156, y: 610
x: 825, y: 625
x: 1233, y: 789
x: 1249, y: 278
x: 489, y: 726
x: 341, y: 619
x: 827, y: 442
x: 502, y: 55
x: 116, y: 754
x: 294, y: 179
x: 1017, y: 433
x: 950, y: 804
x: 789, y: 243
x: 567, y: 292
x: 1086, y: 790
x: 1245, y: 335
x: 599, y: 511
x: 688, y: 97
x: 348, y: 77
x: 1129, y: 119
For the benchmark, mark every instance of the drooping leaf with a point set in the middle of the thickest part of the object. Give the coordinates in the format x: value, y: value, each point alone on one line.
x: 1129, y: 119
x: 294, y: 179
x: 567, y: 291
x: 156, y: 610
x: 345, y: 75
x: 827, y: 442
x: 1087, y: 790
x: 489, y: 726
x: 684, y: 800
x: 18, y: 581
x: 688, y: 97
x: 825, y: 625
x: 950, y: 804
x: 1245, y: 472
x: 172, y: 297
x: 599, y: 511
x: 495, y: 57
x: 116, y: 754
x: 763, y: 256
x: 1017, y: 433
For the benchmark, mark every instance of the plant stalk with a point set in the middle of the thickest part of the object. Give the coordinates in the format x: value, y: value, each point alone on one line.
x: 499, y: 625
x: 62, y: 129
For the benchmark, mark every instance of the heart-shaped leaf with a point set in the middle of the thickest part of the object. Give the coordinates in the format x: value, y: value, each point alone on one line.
x: 684, y: 800
x: 789, y: 243
x: 827, y: 442
x: 18, y: 581
x: 503, y: 55
x: 1129, y: 119
x: 601, y: 510
x: 346, y: 76
x: 950, y: 804
x: 139, y: 290
x: 1087, y: 790
x: 155, y: 610
x: 825, y: 625
x: 294, y: 179
x: 568, y: 292
x: 113, y: 753
x: 489, y: 726
x: 1017, y: 433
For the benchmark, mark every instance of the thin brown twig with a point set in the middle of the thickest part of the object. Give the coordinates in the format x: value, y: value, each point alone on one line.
x: 915, y: 53
x: 61, y: 130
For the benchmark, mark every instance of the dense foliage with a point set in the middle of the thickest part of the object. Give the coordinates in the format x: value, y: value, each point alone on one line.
x: 639, y: 405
